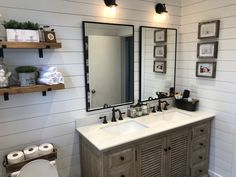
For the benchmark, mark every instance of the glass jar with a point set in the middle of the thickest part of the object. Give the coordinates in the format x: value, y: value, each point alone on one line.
x: 3, y: 74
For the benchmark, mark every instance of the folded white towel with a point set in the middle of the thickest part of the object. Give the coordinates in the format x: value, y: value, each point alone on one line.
x: 46, y: 81
x: 45, y: 74
x: 51, y: 69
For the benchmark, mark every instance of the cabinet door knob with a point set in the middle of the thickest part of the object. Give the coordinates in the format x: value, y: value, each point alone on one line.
x: 169, y: 148
x: 202, y: 130
x: 201, y: 144
x: 165, y: 149
x: 200, y: 157
x: 122, y: 158
x: 200, y: 171
x: 93, y: 91
x: 122, y: 176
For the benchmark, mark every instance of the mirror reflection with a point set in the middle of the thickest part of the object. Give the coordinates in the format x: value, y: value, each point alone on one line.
x: 158, y: 58
x: 109, y: 64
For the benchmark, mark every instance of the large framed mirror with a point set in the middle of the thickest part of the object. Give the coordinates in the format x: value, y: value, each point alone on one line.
x: 109, y: 64
x: 158, y: 50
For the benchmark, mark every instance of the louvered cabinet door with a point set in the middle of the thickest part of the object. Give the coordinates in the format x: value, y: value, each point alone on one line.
x: 150, y: 158
x: 177, y: 157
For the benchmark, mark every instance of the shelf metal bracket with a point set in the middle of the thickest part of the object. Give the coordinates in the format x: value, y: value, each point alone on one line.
x: 1, y: 51
x: 6, y: 96
x: 40, y: 53
x: 44, y: 93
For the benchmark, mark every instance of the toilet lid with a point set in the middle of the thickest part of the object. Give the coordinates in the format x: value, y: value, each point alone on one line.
x: 38, y: 168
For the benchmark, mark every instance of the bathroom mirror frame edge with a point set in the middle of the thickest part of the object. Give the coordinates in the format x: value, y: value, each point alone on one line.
x: 140, y: 57
x: 86, y: 70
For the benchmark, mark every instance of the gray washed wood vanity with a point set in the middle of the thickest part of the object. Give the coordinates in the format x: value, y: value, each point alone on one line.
x: 182, y: 151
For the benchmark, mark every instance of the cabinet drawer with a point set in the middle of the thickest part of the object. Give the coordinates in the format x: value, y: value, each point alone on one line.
x: 120, y: 158
x: 200, y: 170
x: 200, y: 143
x: 199, y: 156
x: 121, y: 173
x: 200, y: 130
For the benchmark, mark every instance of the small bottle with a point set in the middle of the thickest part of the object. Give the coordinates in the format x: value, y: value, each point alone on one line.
x: 139, y: 111
x: 132, y: 112
x: 144, y: 109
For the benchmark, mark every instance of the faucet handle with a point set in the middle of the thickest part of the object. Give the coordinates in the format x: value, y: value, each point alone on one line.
x: 165, y: 106
x: 104, y: 119
x: 153, y: 109
x: 121, y: 113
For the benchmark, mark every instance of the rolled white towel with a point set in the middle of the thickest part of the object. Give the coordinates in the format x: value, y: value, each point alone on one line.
x: 45, y: 74
x: 46, y: 81
x: 51, y: 69
x: 58, y: 74
x: 61, y: 80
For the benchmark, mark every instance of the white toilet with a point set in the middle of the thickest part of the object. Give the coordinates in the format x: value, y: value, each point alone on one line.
x: 39, y: 168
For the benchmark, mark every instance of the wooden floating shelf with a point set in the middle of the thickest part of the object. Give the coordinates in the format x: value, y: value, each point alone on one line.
x: 29, y: 45
x: 36, y: 88
x: 16, y: 167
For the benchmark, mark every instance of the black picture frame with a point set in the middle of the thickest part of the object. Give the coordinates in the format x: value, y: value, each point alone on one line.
x: 159, y: 70
x: 206, y: 27
x: 202, y: 72
x: 161, y: 48
x: 160, y: 36
x: 213, y: 52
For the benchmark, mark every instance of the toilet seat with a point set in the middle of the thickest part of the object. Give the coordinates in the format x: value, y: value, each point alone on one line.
x: 38, y: 168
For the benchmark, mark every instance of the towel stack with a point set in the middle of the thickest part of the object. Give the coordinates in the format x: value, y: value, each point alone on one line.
x: 50, y: 76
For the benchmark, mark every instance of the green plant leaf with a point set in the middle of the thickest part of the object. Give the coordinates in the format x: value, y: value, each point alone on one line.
x: 26, y: 69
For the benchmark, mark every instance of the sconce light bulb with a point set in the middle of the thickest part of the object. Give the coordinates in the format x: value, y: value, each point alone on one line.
x: 161, y: 17
x: 113, y: 10
x: 110, y: 11
x: 164, y: 16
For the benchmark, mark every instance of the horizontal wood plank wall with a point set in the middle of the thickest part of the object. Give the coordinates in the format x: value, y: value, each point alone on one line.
x: 216, y: 95
x: 28, y: 119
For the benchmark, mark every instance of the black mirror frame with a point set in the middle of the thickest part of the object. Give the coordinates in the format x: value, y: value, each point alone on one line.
x: 86, y: 68
x: 140, y: 57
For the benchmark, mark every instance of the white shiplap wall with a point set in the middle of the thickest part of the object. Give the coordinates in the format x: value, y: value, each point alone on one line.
x: 32, y: 119
x: 217, y: 95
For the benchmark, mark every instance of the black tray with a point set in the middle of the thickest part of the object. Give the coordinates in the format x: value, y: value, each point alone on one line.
x: 185, y: 105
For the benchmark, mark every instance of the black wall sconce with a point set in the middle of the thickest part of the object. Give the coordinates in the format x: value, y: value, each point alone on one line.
x: 160, y: 8
x: 110, y: 3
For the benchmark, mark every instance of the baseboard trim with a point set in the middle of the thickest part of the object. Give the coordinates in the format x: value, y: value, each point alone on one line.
x: 214, y: 174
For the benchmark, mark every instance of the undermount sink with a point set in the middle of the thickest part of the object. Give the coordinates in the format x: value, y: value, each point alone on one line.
x: 164, y: 119
x: 175, y: 116
x: 124, y: 128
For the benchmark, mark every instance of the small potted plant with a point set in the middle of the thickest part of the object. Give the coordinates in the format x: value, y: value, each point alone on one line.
x: 27, y: 75
x: 21, y: 31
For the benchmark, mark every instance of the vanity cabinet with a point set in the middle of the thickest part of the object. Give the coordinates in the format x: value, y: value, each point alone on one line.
x: 165, y: 157
x: 200, y: 150
x: 180, y: 152
x: 151, y: 158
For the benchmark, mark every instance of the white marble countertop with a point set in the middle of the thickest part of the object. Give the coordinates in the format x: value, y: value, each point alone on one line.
x: 154, y: 123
